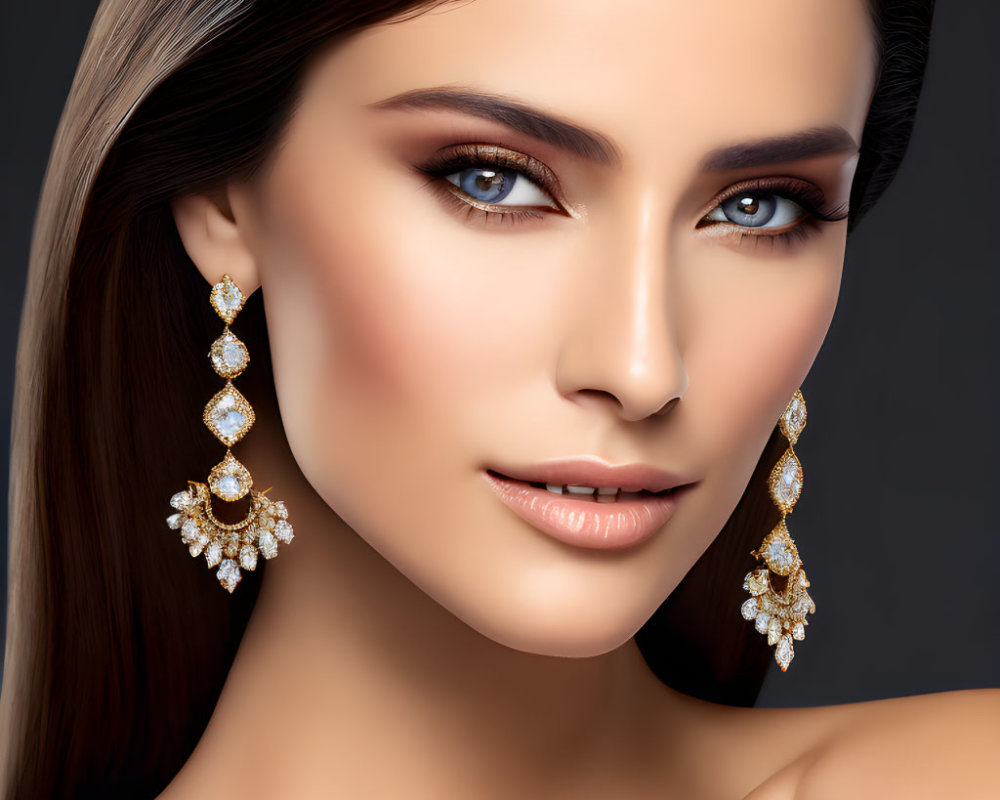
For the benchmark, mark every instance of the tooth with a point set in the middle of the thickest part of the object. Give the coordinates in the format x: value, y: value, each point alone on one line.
x: 556, y: 489
x: 605, y: 498
x: 580, y: 489
x: 608, y: 490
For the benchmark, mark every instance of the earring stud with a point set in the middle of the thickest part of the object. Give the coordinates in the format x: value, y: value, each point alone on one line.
x: 229, y: 416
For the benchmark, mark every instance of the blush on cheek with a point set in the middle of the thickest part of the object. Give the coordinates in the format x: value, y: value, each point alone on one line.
x: 753, y: 331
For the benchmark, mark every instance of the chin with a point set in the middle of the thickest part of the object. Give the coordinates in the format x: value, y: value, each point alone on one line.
x: 566, y: 641
x: 562, y: 625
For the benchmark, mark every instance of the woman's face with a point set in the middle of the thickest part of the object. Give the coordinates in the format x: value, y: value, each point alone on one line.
x: 455, y: 286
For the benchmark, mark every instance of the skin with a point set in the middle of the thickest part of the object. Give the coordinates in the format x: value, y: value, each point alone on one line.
x: 417, y: 639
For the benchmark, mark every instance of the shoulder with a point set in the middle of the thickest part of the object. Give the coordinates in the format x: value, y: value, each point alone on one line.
x: 926, y: 746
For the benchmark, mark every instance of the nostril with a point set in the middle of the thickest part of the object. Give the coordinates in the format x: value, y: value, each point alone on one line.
x: 597, y: 398
x: 667, y: 407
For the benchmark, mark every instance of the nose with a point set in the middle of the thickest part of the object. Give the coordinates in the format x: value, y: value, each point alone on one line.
x: 621, y: 349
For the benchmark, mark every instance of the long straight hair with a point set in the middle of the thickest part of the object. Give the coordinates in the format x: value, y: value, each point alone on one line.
x: 116, y: 648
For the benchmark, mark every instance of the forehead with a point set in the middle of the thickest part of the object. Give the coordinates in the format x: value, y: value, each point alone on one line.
x: 642, y: 72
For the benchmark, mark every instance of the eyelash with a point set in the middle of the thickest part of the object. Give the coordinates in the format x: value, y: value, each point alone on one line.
x: 486, y: 156
x: 807, y: 196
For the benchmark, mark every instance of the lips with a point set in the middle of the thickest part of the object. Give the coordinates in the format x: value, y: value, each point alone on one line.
x: 592, y: 471
x: 647, y: 499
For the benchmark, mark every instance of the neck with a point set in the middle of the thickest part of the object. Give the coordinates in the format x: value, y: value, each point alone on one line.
x: 351, y: 680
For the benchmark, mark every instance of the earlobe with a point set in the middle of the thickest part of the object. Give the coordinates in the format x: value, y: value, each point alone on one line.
x: 215, y: 241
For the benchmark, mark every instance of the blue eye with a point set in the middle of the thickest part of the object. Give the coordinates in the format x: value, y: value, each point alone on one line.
x: 491, y: 185
x: 485, y: 185
x: 757, y: 210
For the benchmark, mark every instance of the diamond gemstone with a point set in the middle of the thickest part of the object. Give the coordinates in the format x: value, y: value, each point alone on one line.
x: 283, y: 531
x: 784, y: 653
x: 229, y: 486
x: 228, y: 574
x: 803, y: 605
x: 248, y: 557
x: 182, y: 500
x: 229, y: 355
x: 762, y: 621
x: 228, y: 415
x: 793, y: 421
x: 213, y: 553
x: 779, y: 556
x: 799, y: 631
x: 786, y: 481
x: 749, y: 608
x: 267, y: 544
x: 226, y: 299
x: 773, y: 630
x: 189, y: 531
x: 779, y: 551
x: 229, y: 479
x: 174, y: 521
x: 249, y: 534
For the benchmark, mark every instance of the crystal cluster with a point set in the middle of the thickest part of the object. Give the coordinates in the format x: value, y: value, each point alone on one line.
x: 781, y: 614
x: 229, y: 547
x: 229, y: 416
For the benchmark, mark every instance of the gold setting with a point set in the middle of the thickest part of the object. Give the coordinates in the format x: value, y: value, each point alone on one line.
x: 779, y: 551
x: 221, y: 354
x: 228, y: 408
x: 793, y: 421
x: 226, y: 299
x: 780, y: 614
x: 231, y: 547
x: 229, y: 467
x: 783, y: 493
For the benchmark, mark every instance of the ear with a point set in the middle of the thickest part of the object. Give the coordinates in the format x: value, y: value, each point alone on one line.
x: 216, y: 240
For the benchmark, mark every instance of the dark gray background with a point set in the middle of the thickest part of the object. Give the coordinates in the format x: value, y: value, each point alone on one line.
x: 895, y: 525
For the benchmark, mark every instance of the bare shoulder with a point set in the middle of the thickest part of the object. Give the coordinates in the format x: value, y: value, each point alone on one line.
x: 926, y: 746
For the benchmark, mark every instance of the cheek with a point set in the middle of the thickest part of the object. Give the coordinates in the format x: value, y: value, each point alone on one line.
x: 391, y: 318
x: 754, y: 326
x: 362, y: 324
x: 397, y: 336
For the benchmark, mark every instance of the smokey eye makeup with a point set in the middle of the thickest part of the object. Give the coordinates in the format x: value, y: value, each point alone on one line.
x: 493, y: 184
x: 778, y: 210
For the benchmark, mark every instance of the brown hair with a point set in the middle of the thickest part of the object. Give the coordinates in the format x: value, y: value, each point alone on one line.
x: 116, y: 648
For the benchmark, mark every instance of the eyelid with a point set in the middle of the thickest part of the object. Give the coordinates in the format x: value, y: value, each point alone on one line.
x: 447, y: 159
x: 807, y: 195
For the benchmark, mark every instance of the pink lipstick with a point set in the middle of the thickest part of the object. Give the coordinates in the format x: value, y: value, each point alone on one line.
x: 587, y: 502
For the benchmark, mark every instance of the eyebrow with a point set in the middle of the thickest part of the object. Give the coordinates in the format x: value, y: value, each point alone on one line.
x: 776, y: 149
x: 516, y: 115
x: 594, y: 147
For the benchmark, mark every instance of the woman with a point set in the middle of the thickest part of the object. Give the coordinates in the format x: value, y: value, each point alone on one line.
x: 488, y: 262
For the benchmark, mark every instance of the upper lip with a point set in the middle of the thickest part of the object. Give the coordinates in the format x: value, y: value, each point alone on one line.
x: 595, y: 472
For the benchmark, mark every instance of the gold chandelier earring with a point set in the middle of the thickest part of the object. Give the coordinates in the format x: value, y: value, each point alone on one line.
x: 229, y: 416
x: 780, y: 613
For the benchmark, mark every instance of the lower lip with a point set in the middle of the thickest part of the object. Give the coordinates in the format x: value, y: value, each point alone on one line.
x: 586, y: 522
